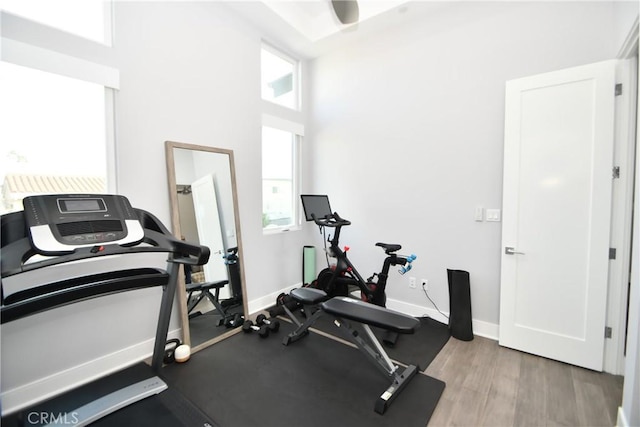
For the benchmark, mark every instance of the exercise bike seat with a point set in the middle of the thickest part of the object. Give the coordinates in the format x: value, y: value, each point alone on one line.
x: 389, y: 247
x: 370, y: 314
x: 308, y: 296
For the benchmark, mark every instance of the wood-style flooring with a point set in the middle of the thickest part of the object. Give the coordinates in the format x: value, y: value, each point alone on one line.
x: 489, y: 385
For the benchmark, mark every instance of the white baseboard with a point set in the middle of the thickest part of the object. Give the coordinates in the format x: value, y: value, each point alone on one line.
x: 267, y: 301
x: 622, y: 419
x: 32, y: 393
x: 480, y: 327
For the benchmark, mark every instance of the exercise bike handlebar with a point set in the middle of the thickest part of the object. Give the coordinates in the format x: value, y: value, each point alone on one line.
x: 333, y: 220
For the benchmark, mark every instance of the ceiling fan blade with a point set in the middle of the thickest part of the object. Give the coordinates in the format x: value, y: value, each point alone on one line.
x: 347, y: 11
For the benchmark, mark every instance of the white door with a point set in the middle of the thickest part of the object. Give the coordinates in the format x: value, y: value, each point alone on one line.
x: 558, y: 159
x: 209, y: 229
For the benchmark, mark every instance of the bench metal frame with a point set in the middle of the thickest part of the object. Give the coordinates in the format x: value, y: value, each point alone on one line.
x: 367, y: 344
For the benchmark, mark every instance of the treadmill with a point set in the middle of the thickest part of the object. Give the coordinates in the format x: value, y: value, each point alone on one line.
x: 58, y: 229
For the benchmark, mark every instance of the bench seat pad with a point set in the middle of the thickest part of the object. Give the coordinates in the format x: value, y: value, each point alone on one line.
x: 370, y: 314
x: 206, y: 285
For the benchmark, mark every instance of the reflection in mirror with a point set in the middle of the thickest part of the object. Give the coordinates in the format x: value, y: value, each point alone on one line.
x: 204, y: 210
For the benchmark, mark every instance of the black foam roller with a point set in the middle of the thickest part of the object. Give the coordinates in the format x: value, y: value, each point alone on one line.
x: 460, y: 324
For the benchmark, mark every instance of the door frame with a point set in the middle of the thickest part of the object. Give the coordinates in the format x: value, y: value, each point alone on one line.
x: 622, y: 203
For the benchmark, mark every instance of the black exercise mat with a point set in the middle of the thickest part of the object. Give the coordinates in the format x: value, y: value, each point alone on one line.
x: 249, y: 381
x: 419, y: 348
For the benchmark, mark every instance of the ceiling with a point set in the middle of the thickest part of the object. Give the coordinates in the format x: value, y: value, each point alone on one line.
x: 309, y: 28
x: 315, y: 19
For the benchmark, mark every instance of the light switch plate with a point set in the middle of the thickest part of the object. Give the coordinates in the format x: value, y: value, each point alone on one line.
x: 479, y: 213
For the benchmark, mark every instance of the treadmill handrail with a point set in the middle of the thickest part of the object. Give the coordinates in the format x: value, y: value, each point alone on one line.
x: 17, y: 247
x: 52, y: 295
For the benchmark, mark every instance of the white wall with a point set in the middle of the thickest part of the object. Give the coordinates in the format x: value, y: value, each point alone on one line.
x: 625, y: 14
x: 190, y: 72
x: 407, y: 131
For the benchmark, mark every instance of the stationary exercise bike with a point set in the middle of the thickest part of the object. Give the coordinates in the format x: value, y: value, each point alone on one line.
x: 343, y: 278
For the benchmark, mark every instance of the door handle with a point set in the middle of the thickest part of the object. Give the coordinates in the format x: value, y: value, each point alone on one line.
x: 512, y: 251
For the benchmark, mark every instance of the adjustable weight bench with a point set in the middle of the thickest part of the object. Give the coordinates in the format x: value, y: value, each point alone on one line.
x: 205, y: 291
x: 345, y: 309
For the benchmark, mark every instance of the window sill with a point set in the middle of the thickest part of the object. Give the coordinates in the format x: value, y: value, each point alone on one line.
x: 280, y: 230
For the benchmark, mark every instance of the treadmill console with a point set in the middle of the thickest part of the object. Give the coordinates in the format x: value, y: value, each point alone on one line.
x: 62, y: 223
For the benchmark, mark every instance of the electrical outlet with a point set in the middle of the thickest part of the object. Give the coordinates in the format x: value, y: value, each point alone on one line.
x: 412, y: 282
x: 493, y: 215
x: 425, y: 284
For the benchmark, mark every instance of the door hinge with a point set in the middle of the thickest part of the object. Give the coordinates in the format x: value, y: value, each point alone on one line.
x: 618, y: 89
x: 608, y: 332
x: 612, y: 253
x: 615, y: 172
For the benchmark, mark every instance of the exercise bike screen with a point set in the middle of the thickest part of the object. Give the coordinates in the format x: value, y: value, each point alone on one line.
x: 315, y: 204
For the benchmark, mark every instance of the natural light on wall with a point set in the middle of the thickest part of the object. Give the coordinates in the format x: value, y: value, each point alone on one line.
x: 52, y: 137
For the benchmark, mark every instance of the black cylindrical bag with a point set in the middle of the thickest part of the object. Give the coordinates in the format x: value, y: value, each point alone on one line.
x: 460, y: 305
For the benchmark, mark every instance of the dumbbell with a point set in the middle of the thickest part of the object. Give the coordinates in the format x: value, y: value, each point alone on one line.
x: 235, y: 321
x: 169, y: 350
x: 272, y: 324
x: 249, y: 327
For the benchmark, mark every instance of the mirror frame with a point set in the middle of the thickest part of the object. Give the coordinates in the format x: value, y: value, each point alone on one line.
x: 175, y: 223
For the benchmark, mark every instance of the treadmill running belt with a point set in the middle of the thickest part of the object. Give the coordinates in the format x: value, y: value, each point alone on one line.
x: 169, y: 408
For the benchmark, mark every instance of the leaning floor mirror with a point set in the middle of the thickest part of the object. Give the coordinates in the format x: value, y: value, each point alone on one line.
x: 204, y: 210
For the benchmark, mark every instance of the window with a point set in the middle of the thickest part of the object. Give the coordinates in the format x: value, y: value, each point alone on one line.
x: 57, y: 133
x: 281, y: 141
x: 280, y: 78
x: 84, y: 18
x: 279, y: 178
x: 53, y: 135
